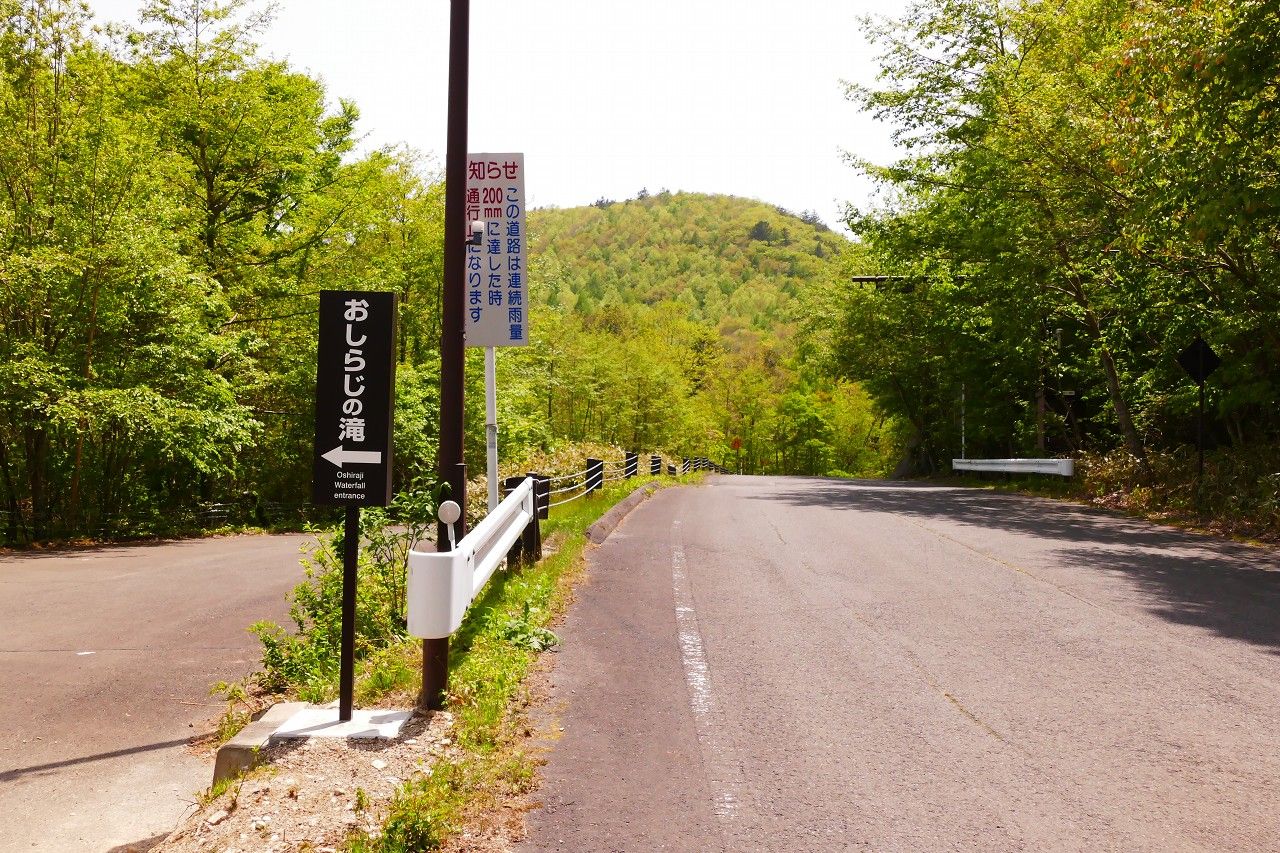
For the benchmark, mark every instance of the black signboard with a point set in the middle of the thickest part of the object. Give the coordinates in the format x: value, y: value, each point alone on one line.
x: 1199, y: 360
x: 355, y: 377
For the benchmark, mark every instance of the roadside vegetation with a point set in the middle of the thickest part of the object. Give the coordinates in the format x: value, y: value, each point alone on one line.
x: 1239, y: 496
x: 491, y: 656
x: 504, y: 631
x: 1084, y: 188
x: 1234, y: 499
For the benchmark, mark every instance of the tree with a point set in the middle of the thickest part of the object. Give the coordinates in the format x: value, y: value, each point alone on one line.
x: 106, y: 405
x: 1051, y: 178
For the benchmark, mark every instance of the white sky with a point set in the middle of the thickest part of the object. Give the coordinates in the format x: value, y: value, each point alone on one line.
x: 723, y: 96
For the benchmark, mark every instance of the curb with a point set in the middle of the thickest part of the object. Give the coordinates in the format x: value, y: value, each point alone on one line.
x: 606, y: 524
x: 243, y: 751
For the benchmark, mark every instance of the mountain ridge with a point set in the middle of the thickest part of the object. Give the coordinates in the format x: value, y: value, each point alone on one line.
x: 716, y: 256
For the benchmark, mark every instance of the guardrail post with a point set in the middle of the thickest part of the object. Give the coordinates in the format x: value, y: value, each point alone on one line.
x: 542, y: 492
x: 531, y: 541
x: 435, y: 652
x: 595, y: 474
x: 684, y: 465
x: 518, y: 555
x: 630, y: 464
x: 671, y: 470
x: 655, y: 464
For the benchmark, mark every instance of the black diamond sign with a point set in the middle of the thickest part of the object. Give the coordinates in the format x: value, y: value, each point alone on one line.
x: 1199, y: 360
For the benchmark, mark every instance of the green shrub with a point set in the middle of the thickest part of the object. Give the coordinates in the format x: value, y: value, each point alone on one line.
x: 307, y: 661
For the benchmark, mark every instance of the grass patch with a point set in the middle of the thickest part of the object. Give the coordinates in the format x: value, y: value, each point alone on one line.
x: 490, y: 656
x: 231, y: 785
x: 241, y: 706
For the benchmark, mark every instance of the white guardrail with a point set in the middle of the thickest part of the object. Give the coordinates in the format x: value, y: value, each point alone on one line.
x: 1061, y: 467
x: 441, y: 586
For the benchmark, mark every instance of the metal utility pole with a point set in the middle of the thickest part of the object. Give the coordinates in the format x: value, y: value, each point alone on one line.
x: 435, y: 653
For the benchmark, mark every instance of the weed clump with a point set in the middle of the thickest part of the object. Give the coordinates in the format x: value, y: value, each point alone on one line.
x: 306, y: 661
x: 1240, y: 493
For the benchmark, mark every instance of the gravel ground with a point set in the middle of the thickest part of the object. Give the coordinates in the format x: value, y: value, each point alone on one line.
x: 304, y: 797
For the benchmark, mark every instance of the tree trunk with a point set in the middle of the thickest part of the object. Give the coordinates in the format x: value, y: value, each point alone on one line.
x: 1040, y: 414
x: 37, y: 443
x: 1131, y: 439
x: 15, y: 524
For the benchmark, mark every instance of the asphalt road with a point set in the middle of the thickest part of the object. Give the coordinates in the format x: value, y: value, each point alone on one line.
x: 106, y: 658
x: 764, y: 664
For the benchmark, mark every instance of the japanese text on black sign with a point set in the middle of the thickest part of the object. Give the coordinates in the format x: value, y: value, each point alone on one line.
x: 354, y: 381
x: 351, y: 426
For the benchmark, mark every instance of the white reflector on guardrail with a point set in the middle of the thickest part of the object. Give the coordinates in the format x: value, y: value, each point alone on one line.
x: 1061, y: 467
x: 442, y: 586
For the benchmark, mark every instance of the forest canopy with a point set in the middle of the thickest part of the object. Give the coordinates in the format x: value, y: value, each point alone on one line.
x: 1085, y: 188
x: 173, y: 202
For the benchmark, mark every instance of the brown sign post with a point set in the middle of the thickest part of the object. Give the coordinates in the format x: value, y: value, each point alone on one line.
x: 452, y: 469
x: 355, y: 394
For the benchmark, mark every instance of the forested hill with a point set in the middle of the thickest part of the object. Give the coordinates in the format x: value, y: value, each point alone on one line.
x: 673, y: 321
x: 722, y: 259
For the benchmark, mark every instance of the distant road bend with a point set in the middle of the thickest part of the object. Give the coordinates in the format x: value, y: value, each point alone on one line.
x: 810, y: 665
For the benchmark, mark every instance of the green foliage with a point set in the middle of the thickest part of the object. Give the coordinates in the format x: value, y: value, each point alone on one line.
x: 521, y: 631
x: 1055, y: 234
x: 239, y: 710
x: 106, y: 405
x: 231, y: 785
x: 390, y: 671
x: 708, y: 258
x: 1240, y: 494
x: 419, y: 815
x: 307, y: 661
x: 174, y: 203
x: 671, y: 322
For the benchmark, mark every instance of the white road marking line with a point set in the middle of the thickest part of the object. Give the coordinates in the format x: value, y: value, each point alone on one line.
x: 697, y: 675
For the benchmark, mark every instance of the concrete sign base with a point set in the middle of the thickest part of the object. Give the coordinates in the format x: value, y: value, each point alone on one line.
x: 291, y: 720
x: 323, y: 722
